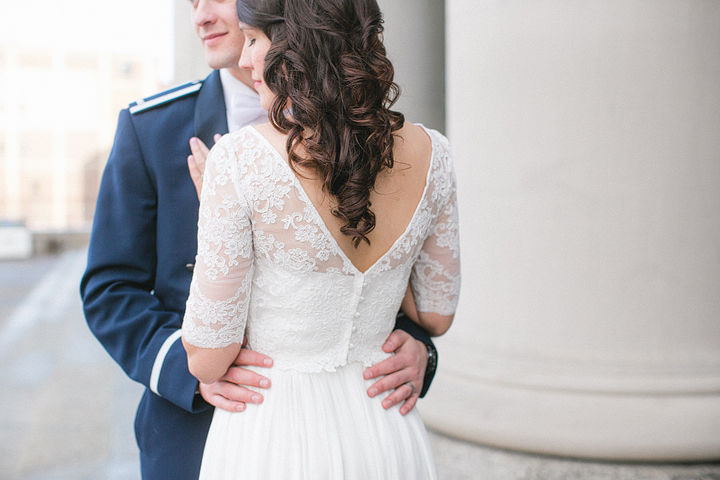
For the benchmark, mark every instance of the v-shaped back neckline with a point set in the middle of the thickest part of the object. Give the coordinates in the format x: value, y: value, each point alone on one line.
x: 321, y: 222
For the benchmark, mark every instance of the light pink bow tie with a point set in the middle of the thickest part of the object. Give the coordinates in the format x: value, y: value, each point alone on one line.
x: 246, y: 110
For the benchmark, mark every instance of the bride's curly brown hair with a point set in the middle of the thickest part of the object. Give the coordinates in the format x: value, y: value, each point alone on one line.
x: 327, y: 63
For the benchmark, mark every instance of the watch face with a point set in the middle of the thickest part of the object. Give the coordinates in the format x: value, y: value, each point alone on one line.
x: 432, y: 358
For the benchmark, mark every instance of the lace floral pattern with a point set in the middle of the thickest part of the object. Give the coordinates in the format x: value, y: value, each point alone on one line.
x: 268, y: 265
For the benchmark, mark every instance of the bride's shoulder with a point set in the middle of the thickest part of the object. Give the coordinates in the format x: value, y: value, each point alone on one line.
x: 417, y: 143
x: 241, y: 136
x: 422, y: 138
x: 435, y: 147
x: 235, y: 151
x: 247, y: 140
x: 268, y: 136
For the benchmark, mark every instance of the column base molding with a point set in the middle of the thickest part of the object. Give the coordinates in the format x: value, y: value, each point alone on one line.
x: 595, y: 425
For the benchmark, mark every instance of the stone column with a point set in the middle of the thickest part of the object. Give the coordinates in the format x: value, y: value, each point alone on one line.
x: 587, y: 144
x: 415, y: 41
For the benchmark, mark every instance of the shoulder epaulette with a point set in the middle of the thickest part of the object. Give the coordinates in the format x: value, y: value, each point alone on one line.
x: 165, y: 97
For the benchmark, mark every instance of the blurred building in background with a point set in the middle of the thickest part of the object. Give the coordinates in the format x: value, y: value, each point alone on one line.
x: 58, y: 113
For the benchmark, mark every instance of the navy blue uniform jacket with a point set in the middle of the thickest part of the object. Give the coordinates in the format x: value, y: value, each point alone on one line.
x: 144, y: 236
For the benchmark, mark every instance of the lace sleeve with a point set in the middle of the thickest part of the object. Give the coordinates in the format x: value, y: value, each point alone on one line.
x: 216, y: 310
x: 435, y: 278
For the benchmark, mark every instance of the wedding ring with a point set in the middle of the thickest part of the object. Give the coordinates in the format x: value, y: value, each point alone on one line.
x: 411, y: 386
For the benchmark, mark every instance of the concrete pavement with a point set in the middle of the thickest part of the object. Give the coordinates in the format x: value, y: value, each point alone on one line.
x: 66, y: 410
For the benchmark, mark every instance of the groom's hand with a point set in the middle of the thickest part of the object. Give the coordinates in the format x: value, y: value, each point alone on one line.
x: 196, y: 161
x: 230, y: 392
x: 407, y: 366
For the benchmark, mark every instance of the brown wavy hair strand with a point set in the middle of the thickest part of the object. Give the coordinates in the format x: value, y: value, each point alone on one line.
x: 327, y: 61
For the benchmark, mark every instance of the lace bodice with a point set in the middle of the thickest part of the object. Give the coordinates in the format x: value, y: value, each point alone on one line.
x: 268, y: 266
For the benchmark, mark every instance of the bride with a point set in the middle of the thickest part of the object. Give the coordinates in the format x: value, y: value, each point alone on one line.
x: 314, y: 229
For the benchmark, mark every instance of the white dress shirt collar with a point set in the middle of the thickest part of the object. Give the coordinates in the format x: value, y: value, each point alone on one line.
x: 242, y: 103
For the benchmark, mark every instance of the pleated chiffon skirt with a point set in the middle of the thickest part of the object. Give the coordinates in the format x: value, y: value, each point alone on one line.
x: 318, y: 426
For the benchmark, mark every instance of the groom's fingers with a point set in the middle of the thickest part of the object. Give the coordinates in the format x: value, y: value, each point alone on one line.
x: 230, y: 392
x: 218, y: 401
x: 409, y: 404
x: 401, y: 390
x: 405, y: 368
x: 407, y: 365
x: 219, y: 395
x: 196, y: 162
x: 401, y: 374
x: 243, y: 377
x: 400, y: 342
x: 386, y: 367
x: 249, y: 357
x: 195, y: 175
x: 405, y: 392
x: 391, y: 382
x: 200, y: 152
x: 240, y: 394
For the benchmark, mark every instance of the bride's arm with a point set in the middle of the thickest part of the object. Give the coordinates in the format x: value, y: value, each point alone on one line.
x: 209, y: 364
x: 435, y: 278
x: 433, y: 323
x: 216, y: 310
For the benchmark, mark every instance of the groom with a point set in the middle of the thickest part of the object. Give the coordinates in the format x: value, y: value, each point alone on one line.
x: 142, y: 252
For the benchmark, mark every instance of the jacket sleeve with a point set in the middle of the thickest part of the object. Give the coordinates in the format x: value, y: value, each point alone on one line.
x: 117, y: 287
x: 403, y: 322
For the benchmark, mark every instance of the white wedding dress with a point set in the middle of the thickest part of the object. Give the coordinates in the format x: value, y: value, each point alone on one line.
x: 268, y: 267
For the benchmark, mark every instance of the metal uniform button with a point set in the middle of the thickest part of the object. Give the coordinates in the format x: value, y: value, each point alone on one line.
x: 189, y: 267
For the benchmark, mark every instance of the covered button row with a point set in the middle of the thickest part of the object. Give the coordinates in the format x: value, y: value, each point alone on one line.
x: 357, y: 315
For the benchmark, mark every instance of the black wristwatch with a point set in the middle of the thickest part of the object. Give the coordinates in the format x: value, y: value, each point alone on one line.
x: 430, y: 368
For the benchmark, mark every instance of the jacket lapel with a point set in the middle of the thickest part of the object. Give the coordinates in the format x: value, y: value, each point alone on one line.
x: 210, y: 113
